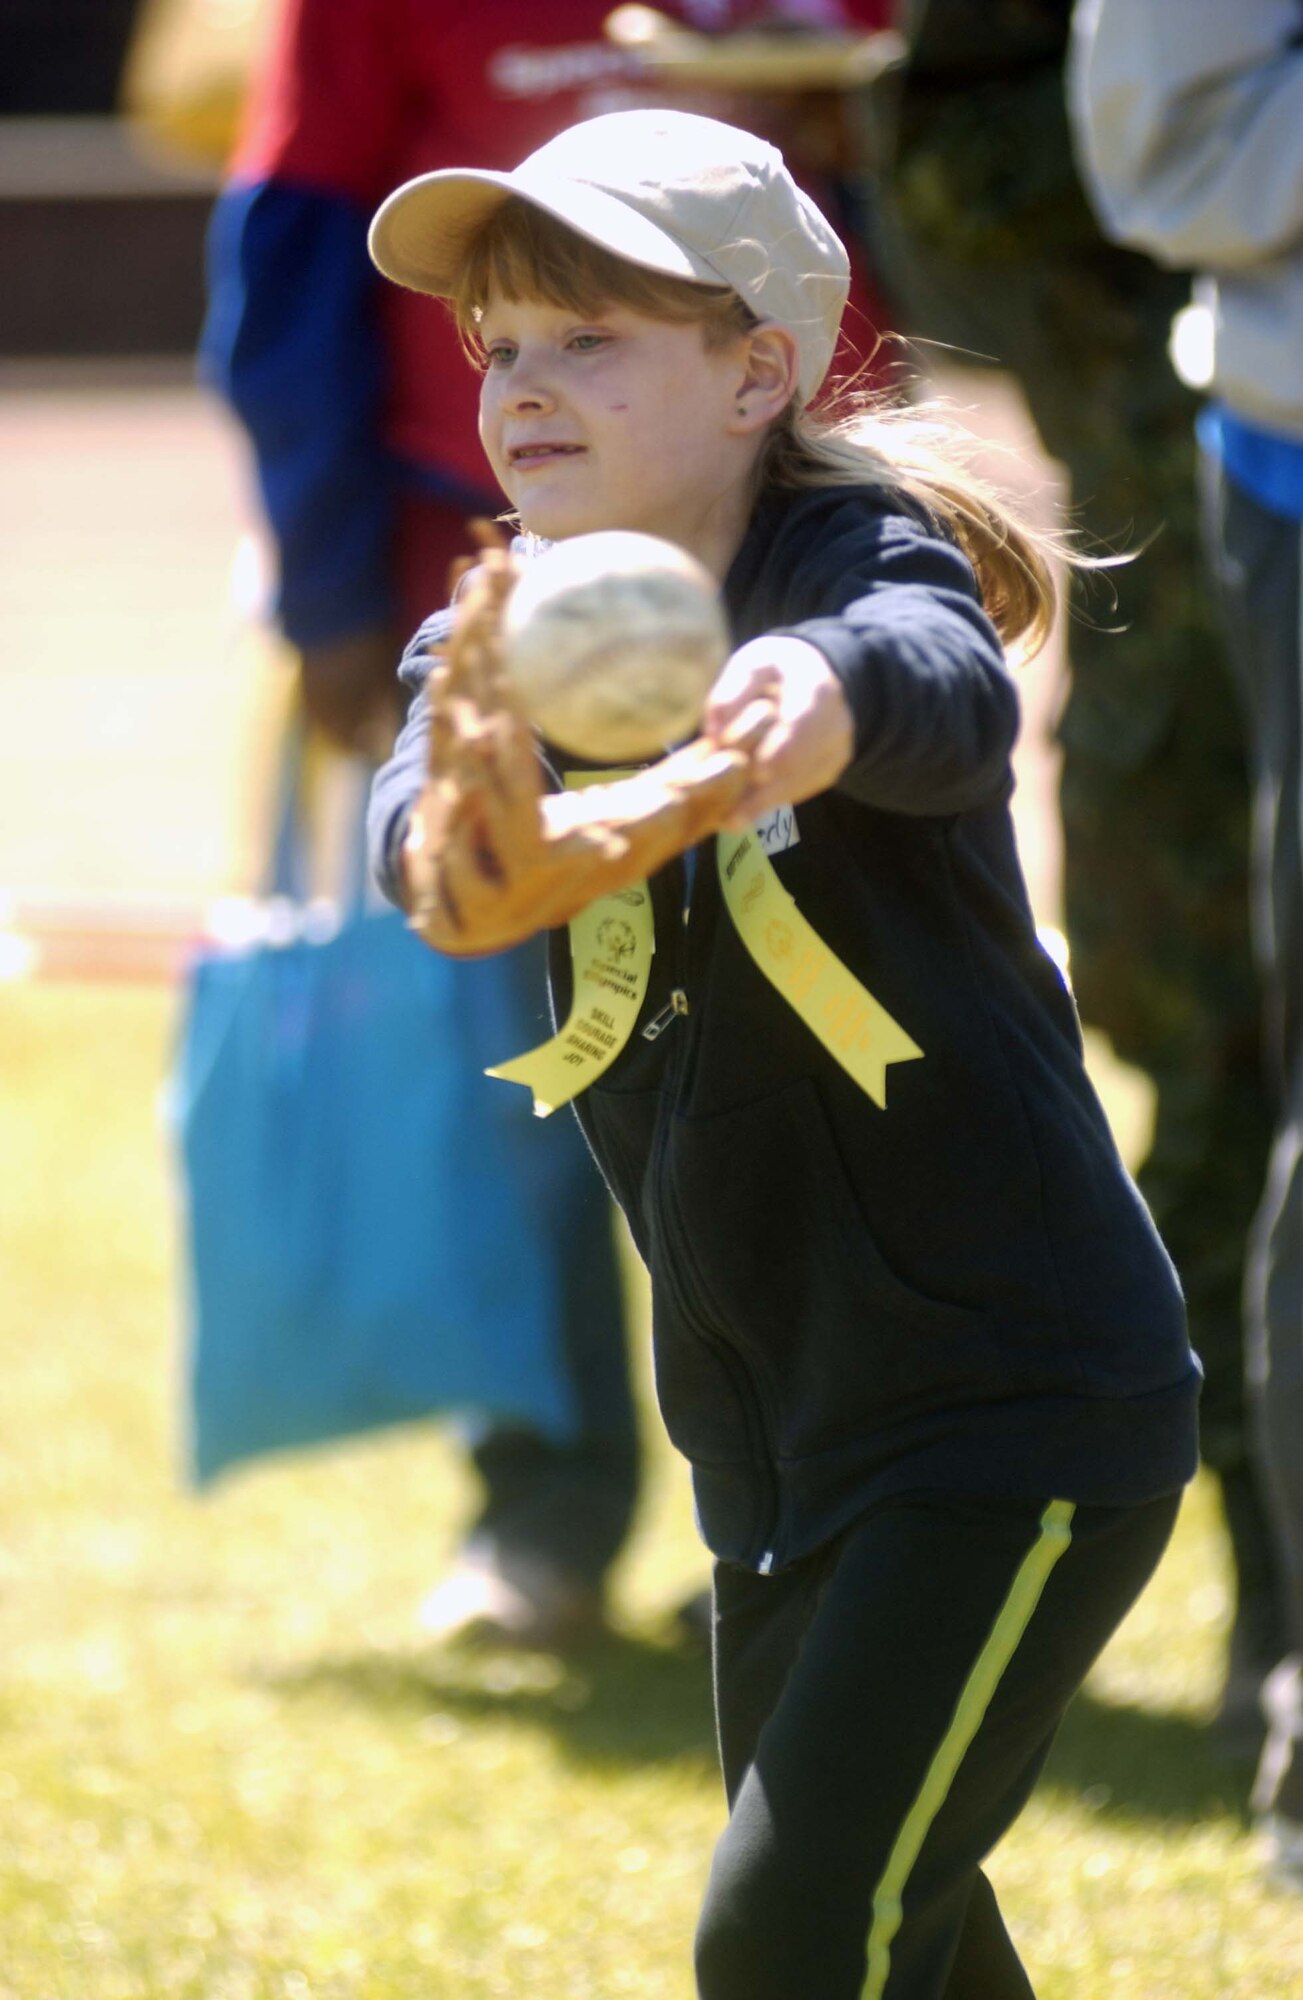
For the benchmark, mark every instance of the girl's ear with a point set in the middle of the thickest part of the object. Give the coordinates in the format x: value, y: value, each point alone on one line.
x: 768, y: 378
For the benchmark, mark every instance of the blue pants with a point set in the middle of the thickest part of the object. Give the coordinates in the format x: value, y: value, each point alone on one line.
x: 568, y: 1504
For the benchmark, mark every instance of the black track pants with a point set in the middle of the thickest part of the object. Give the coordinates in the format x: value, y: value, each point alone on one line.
x: 884, y: 1709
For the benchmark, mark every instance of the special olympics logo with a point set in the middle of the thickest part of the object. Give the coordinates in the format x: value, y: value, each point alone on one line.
x: 616, y: 939
x: 778, y: 937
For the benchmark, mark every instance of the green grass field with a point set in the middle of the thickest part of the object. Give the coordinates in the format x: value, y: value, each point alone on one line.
x: 230, y: 1771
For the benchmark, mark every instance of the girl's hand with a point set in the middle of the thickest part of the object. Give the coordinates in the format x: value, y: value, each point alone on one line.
x: 805, y: 736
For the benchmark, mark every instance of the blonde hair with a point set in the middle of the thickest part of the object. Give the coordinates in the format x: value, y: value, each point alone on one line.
x: 855, y: 437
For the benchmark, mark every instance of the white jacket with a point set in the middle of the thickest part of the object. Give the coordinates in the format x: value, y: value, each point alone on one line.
x: 1188, y: 117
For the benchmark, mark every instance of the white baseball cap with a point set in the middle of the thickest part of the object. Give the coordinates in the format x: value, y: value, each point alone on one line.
x: 670, y: 191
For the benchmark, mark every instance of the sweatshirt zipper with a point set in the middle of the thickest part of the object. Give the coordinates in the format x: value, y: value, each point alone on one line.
x: 753, y: 1416
x: 750, y: 1405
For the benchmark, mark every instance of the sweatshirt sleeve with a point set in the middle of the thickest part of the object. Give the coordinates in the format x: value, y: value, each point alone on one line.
x: 921, y: 665
x: 291, y: 341
x: 397, y: 784
x: 293, y: 337
x: 1189, y: 124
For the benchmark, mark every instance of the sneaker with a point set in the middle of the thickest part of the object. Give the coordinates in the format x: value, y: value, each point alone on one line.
x: 1284, y: 1839
x: 1275, y: 1798
x: 513, y: 1601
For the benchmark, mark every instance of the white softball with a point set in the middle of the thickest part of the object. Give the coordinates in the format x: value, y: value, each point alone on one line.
x: 613, y: 641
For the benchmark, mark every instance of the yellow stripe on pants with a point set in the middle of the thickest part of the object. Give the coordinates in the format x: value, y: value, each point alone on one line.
x: 1014, y: 1618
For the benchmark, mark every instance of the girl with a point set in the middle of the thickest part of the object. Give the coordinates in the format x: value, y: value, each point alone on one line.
x: 913, y: 1328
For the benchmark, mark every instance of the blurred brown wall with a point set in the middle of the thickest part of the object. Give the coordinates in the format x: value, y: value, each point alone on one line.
x: 101, y: 247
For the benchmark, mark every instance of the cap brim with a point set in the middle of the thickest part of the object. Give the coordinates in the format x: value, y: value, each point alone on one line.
x: 420, y: 234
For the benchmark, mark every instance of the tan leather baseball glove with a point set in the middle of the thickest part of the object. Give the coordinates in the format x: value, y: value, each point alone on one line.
x: 492, y: 856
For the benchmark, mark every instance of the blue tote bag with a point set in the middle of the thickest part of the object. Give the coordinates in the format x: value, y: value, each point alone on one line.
x: 364, y: 1246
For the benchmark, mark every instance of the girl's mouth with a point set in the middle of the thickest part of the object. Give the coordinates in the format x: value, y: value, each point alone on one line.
x: 542, y: 454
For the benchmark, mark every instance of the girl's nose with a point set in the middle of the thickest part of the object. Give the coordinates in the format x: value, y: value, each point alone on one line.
x: 526, y: 399
x: 527, y: 389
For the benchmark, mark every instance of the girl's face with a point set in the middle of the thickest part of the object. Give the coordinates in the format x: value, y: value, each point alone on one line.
x: 619, y: 421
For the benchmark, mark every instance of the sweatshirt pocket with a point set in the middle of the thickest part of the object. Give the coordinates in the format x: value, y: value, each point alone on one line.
x: 780, y: 1244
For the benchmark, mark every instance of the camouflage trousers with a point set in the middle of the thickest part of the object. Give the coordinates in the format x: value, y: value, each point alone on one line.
x: 989, y: 246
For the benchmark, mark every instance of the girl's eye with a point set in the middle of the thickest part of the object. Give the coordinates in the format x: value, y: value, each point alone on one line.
x: 588, y: 342
x: 500, y: 355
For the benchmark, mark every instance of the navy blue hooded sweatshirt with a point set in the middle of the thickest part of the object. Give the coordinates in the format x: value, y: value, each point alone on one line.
x: 961, y: 1292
